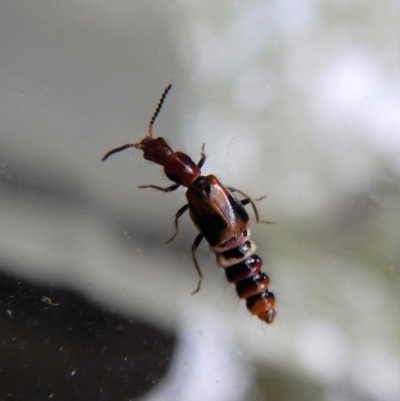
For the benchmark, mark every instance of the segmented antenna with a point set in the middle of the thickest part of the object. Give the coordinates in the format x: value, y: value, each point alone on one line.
x: 158, y: 109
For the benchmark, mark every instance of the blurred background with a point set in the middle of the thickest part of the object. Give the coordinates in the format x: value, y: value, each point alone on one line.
x: 295, y: 100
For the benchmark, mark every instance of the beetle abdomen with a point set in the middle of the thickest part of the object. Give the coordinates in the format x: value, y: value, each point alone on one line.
x: 243, y: 268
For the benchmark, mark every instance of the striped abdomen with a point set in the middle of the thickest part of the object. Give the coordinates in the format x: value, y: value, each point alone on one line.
x: 243, y: 268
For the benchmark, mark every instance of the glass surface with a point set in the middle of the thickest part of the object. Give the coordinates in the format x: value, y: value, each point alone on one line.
x: 295, y: 100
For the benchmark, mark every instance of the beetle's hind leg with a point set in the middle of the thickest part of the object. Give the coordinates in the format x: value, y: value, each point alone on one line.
x: 195, y: 245
x: 248, y: 199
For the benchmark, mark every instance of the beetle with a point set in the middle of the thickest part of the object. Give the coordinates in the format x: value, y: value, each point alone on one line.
x: 218, y: 215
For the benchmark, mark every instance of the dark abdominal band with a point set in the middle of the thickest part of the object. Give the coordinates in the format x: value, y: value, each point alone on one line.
x: 243, y: 268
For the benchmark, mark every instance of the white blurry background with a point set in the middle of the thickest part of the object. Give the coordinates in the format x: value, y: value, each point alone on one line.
x: 296, y: 100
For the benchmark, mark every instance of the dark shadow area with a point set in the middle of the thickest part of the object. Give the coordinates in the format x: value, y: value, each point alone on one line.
x: 55, y: 343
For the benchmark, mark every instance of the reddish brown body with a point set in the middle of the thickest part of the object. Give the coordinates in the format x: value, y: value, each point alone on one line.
x: 215, y: 212
x: 221, y: 219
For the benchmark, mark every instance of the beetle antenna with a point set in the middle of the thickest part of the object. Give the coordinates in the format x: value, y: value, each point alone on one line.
x: 158, y: 109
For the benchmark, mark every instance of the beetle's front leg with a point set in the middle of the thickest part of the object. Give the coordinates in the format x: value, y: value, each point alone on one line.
x: 167, y: 189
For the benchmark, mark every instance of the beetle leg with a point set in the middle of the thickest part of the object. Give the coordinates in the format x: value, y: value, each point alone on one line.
x: 250, y: 200
x: 202, y: 157
x: 167, y: 189
x: 196, y: 243
x: 177, y: 215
